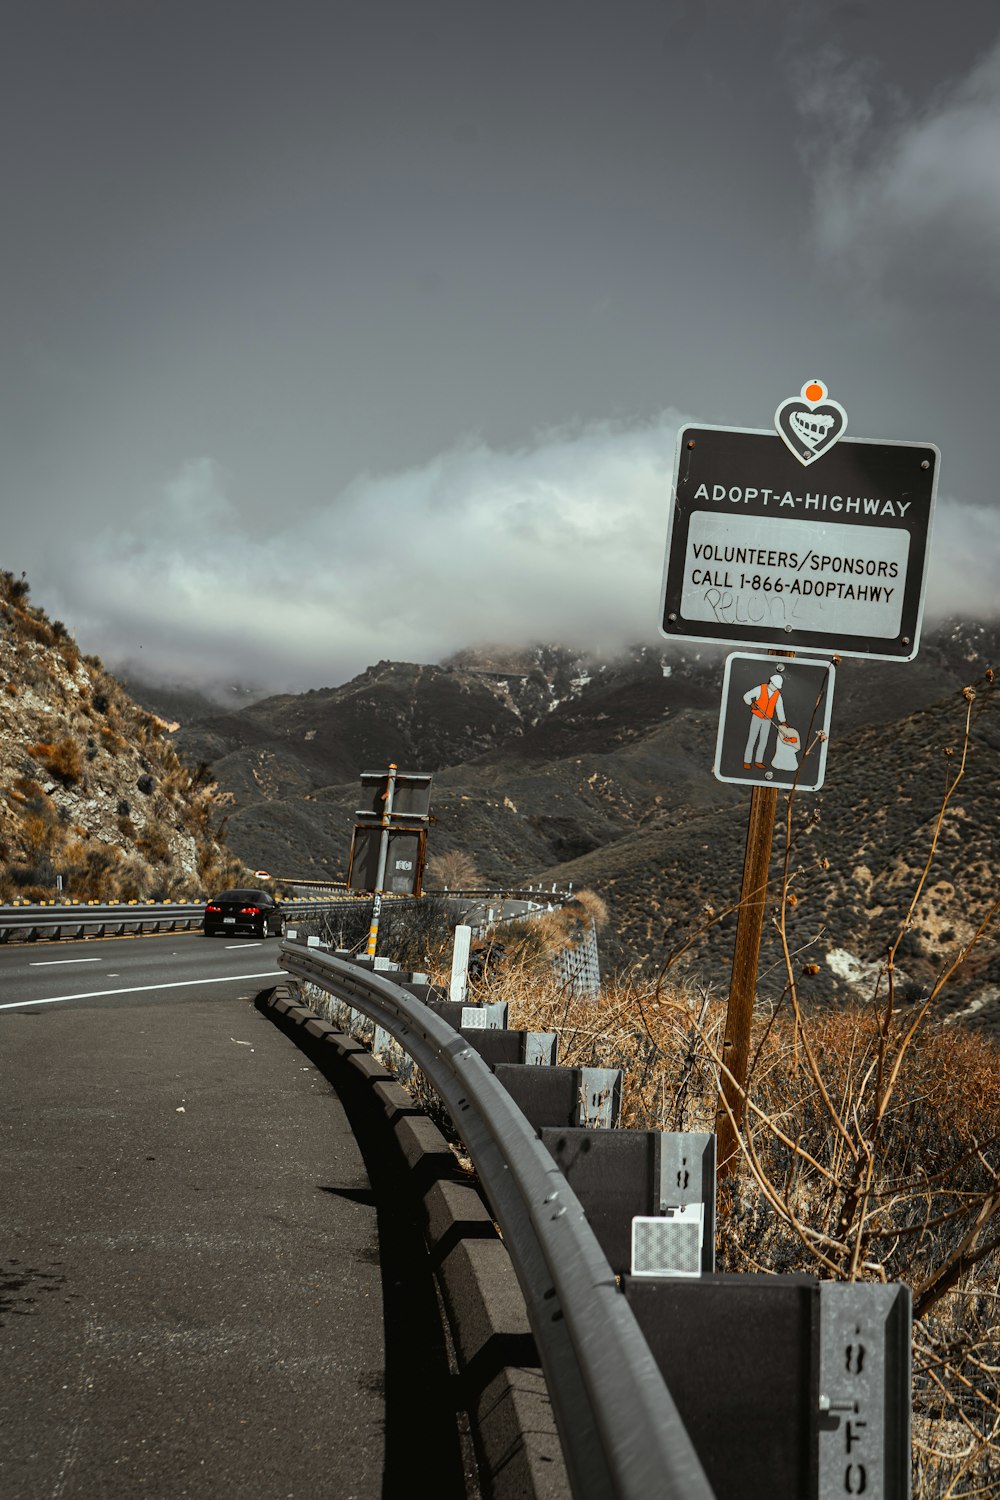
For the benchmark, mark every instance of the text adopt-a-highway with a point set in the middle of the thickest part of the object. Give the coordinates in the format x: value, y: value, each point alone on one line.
x: 833, y: 557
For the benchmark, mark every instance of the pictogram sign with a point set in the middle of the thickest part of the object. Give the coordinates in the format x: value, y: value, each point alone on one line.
x: 775, y: 721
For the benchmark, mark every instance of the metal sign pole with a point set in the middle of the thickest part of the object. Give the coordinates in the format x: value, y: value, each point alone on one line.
x: 383, y: 853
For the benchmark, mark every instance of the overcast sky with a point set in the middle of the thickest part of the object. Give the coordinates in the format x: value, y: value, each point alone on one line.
x: 335, y: 332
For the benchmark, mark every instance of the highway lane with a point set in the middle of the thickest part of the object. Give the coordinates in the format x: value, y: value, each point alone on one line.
x: 198, y: 1250
x: 106, y: 971
x: 190, y: 1284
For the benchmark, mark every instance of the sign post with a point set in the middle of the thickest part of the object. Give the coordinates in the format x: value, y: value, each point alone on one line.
x: 383, y: 850
x: 743, y: 983
x: 390, y: 838
x: 797, y: 539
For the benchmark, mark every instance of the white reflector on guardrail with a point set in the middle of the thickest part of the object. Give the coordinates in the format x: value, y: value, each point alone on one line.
x: 670, y: 1244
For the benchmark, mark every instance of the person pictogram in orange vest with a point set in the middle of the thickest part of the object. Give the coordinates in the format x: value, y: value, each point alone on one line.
x: 764, y: 702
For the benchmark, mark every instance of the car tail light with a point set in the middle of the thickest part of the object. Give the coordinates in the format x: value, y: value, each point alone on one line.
x: 212, y: 907
x: 249, y: 911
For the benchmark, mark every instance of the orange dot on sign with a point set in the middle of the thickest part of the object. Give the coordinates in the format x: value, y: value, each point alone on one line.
x: 814, y: 392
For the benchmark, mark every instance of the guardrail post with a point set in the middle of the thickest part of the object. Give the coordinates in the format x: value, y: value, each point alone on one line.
x: 564, y: 1096
x: 865, y: 1381
x: 460, y: 963
x: 740, y: 1355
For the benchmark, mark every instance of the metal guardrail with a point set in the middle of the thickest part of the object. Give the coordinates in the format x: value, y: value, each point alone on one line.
x: 514, y: 893
x: 621, y: 1433
x: 75, y: 919
x: 536, y: 895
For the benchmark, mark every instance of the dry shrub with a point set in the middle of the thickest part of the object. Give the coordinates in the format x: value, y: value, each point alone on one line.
x: 455, y: 870
x: 217, y: 869
x: 154, y: 843
x: 136, y: 879
x: 14, y: 588
x: 72, y: 856
x: 418, y: 933
x: 594, y: 907
x: 38, y: 831
x: 538, y: 940
x: 177, y: 781
x: 65, y: 761
x: 35, y: 627
x: 96, y: 875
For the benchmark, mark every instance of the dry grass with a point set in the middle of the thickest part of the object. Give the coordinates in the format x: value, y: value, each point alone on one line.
x: 65, y: 761
x: 933, y: 1193
x: 455, y: 870
x: 868, y: 1136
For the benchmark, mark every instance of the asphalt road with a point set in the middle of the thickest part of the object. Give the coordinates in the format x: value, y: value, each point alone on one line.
x: 134, y: 970
x: 190, y: 1289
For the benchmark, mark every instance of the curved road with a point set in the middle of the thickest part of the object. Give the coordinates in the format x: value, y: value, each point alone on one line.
x: 190, y: 1285
x: 132, y: 971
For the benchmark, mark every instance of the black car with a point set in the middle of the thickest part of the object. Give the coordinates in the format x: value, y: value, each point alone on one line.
x: 255, y: 912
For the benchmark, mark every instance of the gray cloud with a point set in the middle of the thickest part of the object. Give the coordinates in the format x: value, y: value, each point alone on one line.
x: 560, y: 541
x: 904, y: 195
x: 964, y: 561
x: 310, y: 281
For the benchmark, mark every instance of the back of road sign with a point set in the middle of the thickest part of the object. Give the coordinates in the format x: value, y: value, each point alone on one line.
x: 763, y: 551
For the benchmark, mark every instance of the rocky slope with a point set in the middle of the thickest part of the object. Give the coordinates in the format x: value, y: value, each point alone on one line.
x: 551, y: 766
x: 91, y: 789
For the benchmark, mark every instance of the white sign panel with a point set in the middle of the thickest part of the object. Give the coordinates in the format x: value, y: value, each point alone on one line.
x: 833, y: 578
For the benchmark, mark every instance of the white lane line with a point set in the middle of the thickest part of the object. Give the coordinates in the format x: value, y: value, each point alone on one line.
x: 50, y: 963
x: 176, y: 984
x: 231, y: 947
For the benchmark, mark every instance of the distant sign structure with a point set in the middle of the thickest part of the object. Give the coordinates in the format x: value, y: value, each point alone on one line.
x: 775, y: 721
x: 405, y: 829
x: 764, y: 551
x: 411, y: 796
x: 404, y: 866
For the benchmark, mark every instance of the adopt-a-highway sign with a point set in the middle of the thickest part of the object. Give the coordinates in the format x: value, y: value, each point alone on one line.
x: 799, y: 538
x: 775, y: 721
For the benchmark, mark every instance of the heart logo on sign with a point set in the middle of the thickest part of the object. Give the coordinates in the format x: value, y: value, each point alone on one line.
x: 809, y: 424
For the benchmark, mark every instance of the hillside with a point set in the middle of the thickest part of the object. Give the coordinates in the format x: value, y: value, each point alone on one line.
x: 92, y: 788
x: 857, y: 851
x: 549, y: 766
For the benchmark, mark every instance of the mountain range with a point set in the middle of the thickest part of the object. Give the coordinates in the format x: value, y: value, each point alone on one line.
x: 552, y: 766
